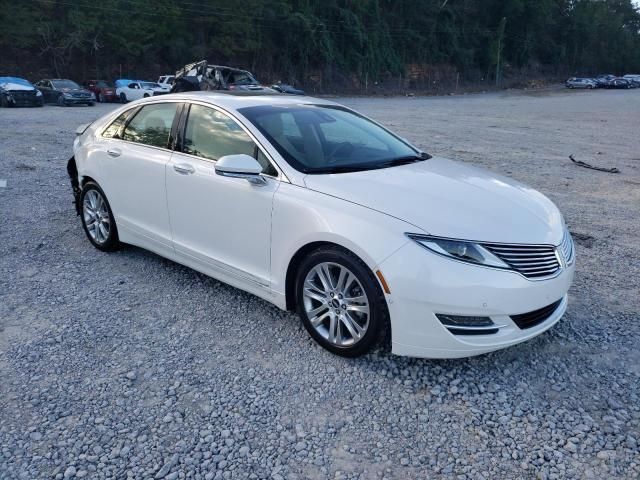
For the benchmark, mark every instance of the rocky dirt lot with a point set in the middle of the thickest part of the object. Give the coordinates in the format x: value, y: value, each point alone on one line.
x: 127, y: 365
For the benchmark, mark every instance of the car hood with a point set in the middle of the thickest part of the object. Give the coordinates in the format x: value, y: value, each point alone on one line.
x: 449, y: 199
x: 16, y: 87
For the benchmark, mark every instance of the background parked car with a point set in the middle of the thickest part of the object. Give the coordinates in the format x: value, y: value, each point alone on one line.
x: 574, y: 82
x: 128, y: 90
x: 286, y: 88
x: 603, y: 80
x: 202, y: 76
x: 166, y: 80
x: 634, y: 79
x: 65, y: 92
x: 102, y: 89
x: 619, y: 83
x: 18, y: 92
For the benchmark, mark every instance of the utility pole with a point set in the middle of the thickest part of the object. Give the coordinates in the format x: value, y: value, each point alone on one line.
x: 503, y: 23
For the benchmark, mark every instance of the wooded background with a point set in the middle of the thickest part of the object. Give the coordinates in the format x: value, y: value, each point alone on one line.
x: 323, y: 45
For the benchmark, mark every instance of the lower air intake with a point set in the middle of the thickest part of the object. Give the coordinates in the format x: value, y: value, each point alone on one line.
x: 531, y: 319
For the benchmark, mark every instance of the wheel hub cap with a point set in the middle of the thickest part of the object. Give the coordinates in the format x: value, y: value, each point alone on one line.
x: 96, y: 216
x: 336, y: 304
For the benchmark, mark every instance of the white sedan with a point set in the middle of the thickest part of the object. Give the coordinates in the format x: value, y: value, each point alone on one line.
x: 136, y: 90
x: 318, y: 209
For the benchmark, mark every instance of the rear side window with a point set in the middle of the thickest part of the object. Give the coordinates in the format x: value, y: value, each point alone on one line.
x: 151, y: 125
x: 112, y: 130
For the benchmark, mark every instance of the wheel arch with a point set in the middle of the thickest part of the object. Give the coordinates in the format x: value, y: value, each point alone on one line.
x: 296, y: 260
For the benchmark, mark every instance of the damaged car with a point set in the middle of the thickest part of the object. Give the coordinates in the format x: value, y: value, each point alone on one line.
x: 18, y: 92
x: 202, y: 76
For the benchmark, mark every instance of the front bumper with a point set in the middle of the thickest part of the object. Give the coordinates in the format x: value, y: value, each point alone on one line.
x: 423, y: 284
x: 25, y: 99
x: 78, y: 100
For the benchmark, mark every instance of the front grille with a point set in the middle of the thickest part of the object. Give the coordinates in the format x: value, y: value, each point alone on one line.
x: 532, y: 261
x: 531, y: 319
x: 24, y: 98
x: 80, y: 95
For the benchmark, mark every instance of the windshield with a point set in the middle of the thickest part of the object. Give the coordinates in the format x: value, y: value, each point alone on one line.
x: 240, y: 77
x: 103, y: 84
x: 328, y: 139
x: 64, y: 84
x: 4, y: 81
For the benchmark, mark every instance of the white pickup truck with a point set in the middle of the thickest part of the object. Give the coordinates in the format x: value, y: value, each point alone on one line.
x: 128, y: 90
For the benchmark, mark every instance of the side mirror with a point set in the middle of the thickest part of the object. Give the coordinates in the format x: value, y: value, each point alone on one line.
x: 240, y: 166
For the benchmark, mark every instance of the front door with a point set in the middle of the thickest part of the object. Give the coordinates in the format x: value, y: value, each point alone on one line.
x: 220, y: 223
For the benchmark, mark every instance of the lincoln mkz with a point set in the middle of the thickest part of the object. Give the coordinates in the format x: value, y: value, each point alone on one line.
x: 323, y: 211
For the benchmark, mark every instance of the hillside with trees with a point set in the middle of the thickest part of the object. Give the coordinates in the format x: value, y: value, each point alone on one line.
x: 326, y: 45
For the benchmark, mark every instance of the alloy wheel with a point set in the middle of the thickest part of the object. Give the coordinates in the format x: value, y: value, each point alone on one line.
x: 96, y: 216
x: 336, y: 304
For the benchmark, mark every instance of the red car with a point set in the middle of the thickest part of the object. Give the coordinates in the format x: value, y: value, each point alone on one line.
x: 104, y: 91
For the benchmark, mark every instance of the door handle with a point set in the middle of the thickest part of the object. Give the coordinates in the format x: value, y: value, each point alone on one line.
x: 184, y: 168
x: 114, y: 152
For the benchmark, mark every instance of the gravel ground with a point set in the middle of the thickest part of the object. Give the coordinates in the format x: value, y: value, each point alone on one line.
x: 127, y: 365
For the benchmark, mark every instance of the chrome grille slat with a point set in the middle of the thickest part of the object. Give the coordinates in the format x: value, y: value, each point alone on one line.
x: 528, y: 264
x: 531, y: 261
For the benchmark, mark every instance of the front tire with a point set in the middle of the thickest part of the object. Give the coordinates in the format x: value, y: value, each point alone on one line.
x: 61, y: 102
x: 100, y: 98
x: 98, y: 222
x: 340, y: 302
x: 123, y: 98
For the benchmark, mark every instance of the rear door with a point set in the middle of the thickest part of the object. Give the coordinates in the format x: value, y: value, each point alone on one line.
x: 134, y: 153
x: 219, y: 223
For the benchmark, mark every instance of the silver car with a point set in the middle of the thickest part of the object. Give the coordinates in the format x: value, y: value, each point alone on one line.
x: 574, y: 82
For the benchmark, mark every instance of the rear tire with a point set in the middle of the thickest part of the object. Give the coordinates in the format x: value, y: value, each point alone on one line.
x: 340, y: 302
x: 97, y: 218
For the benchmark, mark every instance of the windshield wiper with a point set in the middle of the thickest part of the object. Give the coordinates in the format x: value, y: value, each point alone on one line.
x: 401, y: 161
x: 372, y: 166
x: 341, y: 169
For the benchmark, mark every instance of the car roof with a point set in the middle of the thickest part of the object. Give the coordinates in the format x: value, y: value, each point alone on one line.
x: 237, y: 100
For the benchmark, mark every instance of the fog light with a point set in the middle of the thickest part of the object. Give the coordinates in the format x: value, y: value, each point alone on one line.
x: 468, y: 325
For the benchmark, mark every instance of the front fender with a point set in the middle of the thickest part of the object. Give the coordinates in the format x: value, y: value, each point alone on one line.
x: 302, y: 216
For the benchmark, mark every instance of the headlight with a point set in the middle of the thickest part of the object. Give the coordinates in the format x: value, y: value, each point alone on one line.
x: 38, y: 93
x: 458, y: 250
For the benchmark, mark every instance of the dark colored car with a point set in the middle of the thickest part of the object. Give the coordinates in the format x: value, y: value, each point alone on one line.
x: 619, y: 83
x: 18, y: 92
x: 286, y: 88
x: 65, y: 92
x: 103, y: 90
x: 603, y: 80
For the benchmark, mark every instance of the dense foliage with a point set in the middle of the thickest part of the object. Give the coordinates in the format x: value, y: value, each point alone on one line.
x: 320, y: 42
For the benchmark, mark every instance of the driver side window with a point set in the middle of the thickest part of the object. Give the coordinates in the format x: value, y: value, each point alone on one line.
x: 211, y: 134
